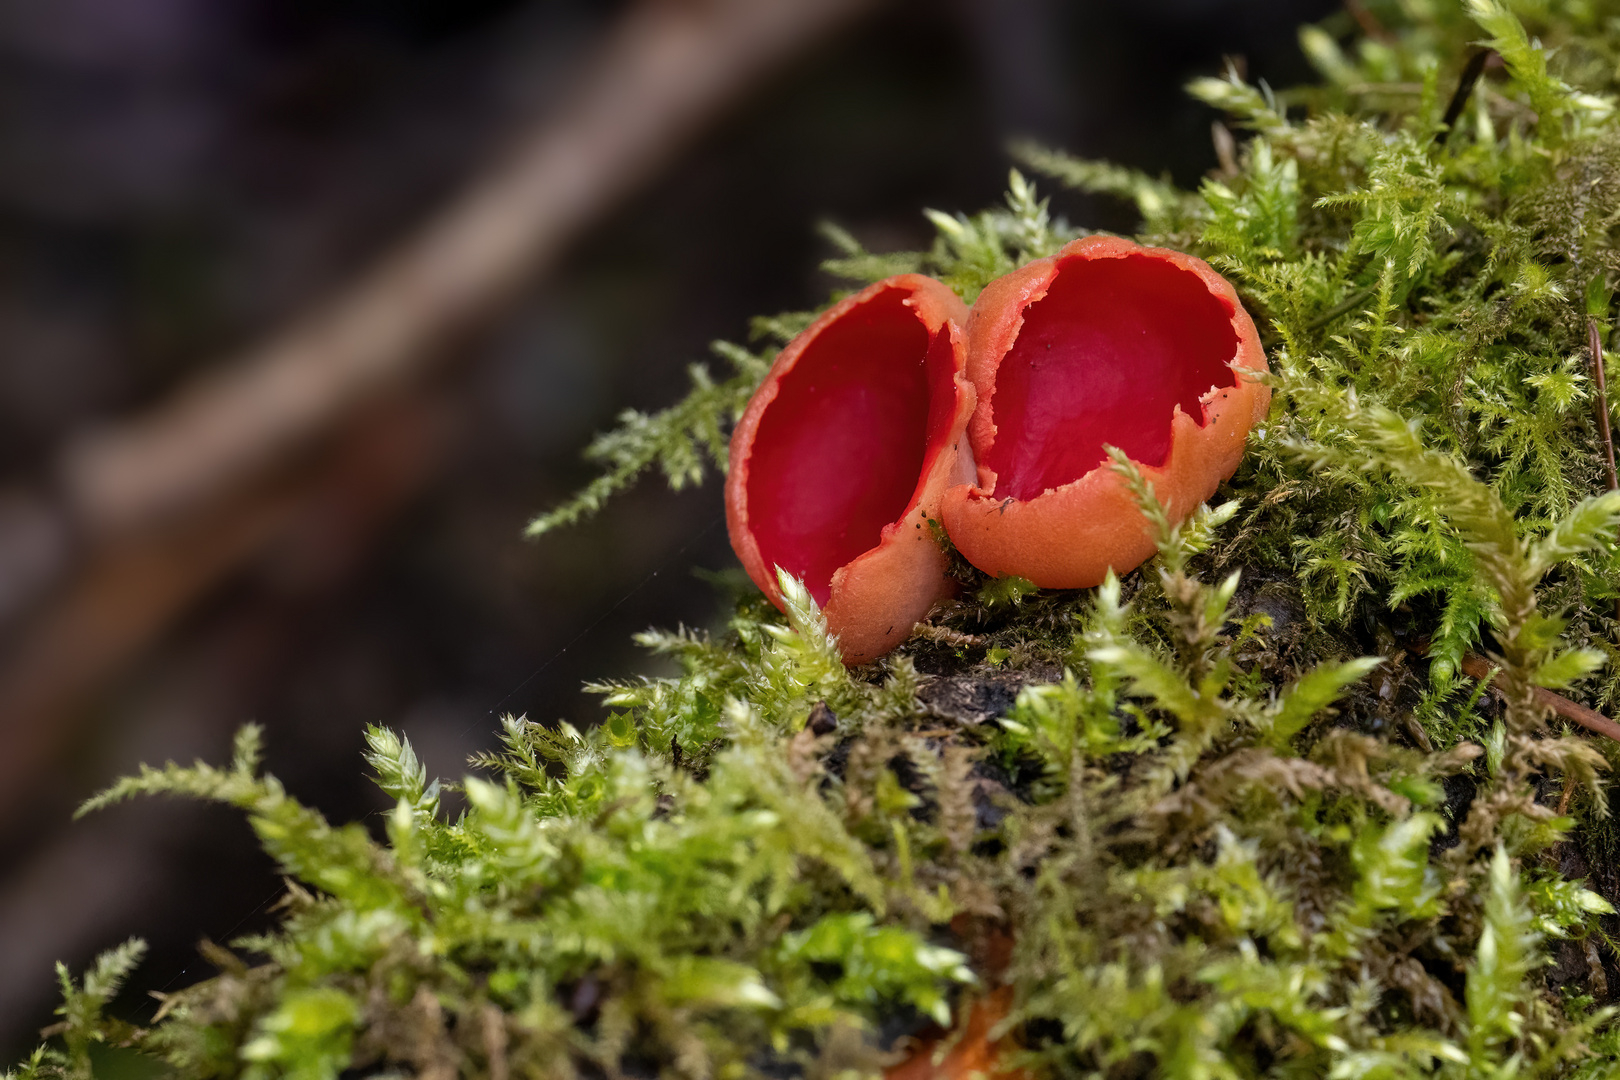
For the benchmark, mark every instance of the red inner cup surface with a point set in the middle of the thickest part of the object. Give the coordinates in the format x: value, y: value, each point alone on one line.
x: 1103, y: 359
x: 838, y: 454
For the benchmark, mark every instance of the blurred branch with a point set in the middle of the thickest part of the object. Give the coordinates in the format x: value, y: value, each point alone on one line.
x: 667, y: 69
x: 125, y: 595
x: 1369, y: 23
x: 170, y: 503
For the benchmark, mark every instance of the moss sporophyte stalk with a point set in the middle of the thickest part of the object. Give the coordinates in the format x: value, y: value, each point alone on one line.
x: 1236, y: 813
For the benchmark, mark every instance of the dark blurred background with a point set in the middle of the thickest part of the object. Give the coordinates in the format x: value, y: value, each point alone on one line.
x: 181, y: 179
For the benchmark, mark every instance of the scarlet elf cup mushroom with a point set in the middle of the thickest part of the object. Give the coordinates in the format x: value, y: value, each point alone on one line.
x: 843, y: 454
x: 1107, y: 343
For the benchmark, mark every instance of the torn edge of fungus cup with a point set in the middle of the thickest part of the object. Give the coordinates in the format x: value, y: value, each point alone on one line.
x: 899, y: 405
x: 844, y: 453
x: 1106, y: 343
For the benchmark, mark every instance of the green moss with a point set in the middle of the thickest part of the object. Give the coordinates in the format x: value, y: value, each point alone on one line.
x: 1224, y: 838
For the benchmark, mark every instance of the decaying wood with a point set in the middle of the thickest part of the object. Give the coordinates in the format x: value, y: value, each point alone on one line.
x: 946, y: 636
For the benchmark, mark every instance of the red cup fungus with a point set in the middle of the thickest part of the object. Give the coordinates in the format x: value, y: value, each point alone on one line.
x: 843, y: 455
x: 1106, y: 343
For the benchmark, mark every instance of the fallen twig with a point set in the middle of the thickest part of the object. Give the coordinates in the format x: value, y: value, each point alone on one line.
x: 1459, y: 97
x: 1477, y: 667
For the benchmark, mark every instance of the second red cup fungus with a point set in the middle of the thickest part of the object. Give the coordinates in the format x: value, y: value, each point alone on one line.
x: 1106, y: 343
x: 843, y: 455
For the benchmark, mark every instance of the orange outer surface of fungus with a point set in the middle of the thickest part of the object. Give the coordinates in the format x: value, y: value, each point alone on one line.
x: 973, y: 1056
x: 843, y: 455
x: 1105, y: 343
